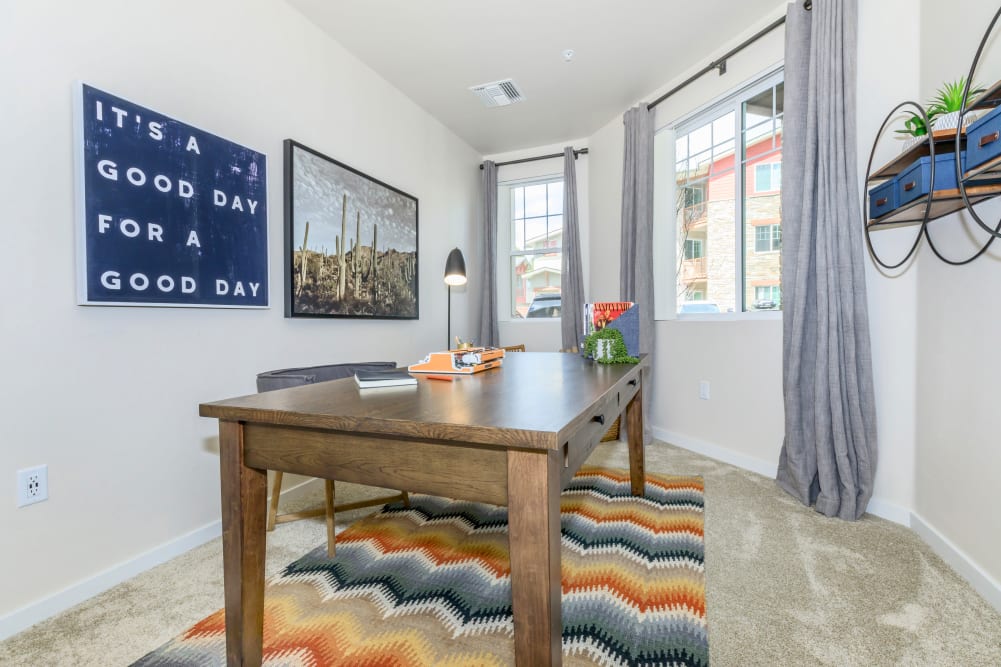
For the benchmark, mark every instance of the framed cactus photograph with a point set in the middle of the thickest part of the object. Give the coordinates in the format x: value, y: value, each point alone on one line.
x: 350, y: 241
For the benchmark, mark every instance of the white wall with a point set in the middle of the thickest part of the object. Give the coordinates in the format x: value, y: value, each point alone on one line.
x: 108, y: 397
x: 741, y: 358
x: 538, y: 335
x: 959, y: 325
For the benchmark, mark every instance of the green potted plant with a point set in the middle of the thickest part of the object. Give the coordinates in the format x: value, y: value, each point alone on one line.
x: 943, y: 109
x: 606, y: 346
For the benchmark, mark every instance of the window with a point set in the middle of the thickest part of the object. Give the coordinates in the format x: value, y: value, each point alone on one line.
x: 767, y: 297
x: 693, y: 248
x: 536, y: 248
x: 728, y: 173
x: 767, y: 238
x: 768, y: 177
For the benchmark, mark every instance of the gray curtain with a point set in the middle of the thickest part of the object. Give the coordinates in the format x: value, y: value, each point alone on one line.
x: 636, y: 250
x: 828, y: 456
x: 572, y: 279
x: 489, y: 333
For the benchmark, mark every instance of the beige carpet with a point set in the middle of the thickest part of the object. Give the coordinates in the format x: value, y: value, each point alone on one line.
x: 785, y: 586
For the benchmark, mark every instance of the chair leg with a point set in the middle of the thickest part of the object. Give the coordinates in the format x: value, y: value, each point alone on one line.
x: 328, y: 491
x: 406, y: 499
x: 276, y: 491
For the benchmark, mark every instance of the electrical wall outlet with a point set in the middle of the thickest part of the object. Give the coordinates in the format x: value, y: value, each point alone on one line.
x: 704, y: 390
x: 32, y: 485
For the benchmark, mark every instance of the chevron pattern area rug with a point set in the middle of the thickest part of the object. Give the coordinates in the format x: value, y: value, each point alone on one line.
x: 430, y: 585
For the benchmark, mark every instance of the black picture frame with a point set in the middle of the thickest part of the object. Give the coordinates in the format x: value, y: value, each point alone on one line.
x: 324, y: 279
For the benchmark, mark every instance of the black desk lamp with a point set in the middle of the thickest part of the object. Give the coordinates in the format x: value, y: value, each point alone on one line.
x: 455, y: 274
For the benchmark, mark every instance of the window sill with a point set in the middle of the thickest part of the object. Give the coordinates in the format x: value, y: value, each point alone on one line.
x: 530, y: 320
x: 750, y: 316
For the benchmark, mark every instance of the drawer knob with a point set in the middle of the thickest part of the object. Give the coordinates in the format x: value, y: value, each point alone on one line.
x: 910, y: 186
x: 599, y: 418
x: 633, y: 382
x: 881, y: 201
x: 989, y: 138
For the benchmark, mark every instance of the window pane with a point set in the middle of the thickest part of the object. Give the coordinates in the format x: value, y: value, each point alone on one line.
x: 706, y: 275
x: 519, y: 234
x: 535, y: 285
x: 762, y: 199
x: 555, y: 198
x: 555, y: 239
x: 535, y: 233
x: 535, y: 200
x: 518, y: 205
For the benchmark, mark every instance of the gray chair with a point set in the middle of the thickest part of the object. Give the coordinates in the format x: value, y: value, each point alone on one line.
x: 296, y: 377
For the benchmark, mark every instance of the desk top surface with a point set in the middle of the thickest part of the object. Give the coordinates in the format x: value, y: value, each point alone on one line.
x: 534, y: 400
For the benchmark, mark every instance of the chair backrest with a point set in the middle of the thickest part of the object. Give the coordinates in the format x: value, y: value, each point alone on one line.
x: 295, y: 377
x: 514, y: 348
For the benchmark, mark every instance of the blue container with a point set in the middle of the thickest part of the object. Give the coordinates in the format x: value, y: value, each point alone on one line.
x: 915, y: 181
x: 883, y: 199
x: 983, y: 139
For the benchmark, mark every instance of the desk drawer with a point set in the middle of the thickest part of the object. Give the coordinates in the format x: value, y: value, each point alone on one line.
x: 588, y: 436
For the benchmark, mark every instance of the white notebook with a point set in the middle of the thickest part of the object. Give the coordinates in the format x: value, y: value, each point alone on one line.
x: 391, y: 378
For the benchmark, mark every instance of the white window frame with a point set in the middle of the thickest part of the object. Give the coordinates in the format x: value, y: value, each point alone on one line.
x: 772, y: 238
x: 505, y: 246
x: 707, y: 113
x: 771, y: 167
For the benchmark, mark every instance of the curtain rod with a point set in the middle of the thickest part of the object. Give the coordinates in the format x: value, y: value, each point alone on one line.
x: 720, y: 63
x: 580, y: 151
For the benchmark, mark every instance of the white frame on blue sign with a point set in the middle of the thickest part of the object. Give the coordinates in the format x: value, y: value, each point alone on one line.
x: 191, y: 236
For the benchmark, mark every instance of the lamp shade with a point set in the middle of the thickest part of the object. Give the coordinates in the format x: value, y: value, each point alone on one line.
x: 455, y: 268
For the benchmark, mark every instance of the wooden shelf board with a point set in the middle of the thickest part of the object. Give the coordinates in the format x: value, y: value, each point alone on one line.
x: 989, y: 169
x: 920, y: 150
x: 989, y: 98
x: 944, y: 202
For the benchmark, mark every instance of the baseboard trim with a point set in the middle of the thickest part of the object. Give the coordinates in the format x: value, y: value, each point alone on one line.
x: 713, y: 451
x: 58, y: 602
x: 877, y: 506
x: 966, y: 567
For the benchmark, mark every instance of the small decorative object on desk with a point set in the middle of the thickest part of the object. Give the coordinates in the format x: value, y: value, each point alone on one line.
x: 606, y: 346
x: 393, y: 378
x: 620, y: 315
x: 463, y: 345
x: 465, y: 361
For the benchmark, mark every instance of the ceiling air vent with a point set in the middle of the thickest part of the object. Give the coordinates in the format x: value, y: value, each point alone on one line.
x: 498, y: 93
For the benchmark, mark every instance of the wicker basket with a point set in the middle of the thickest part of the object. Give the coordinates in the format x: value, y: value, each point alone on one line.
x: 613, y: 432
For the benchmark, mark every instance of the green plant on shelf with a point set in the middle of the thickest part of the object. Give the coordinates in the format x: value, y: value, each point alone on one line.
x: 948, y: 99
x: 620, y: 354
x: 914, y: 126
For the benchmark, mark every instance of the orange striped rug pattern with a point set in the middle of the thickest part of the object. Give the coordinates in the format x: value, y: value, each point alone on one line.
x: 430, y: 585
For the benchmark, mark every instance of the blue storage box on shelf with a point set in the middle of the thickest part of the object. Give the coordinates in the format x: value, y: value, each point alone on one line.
x: 915, y: 181
x: 883, y: 199
x: 983, y: 139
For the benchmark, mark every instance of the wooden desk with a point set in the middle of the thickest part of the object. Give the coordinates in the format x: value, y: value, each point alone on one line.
x: 512, y: 436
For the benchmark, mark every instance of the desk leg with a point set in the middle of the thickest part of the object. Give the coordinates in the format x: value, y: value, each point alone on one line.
x: 533, y: 483
x: 244, y: 491
x: 634, y: 432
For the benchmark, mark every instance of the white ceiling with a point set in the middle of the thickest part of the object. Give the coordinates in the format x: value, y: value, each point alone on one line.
x: 434, y: 50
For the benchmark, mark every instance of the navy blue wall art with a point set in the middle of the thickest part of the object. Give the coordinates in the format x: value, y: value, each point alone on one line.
x: 169, y: 215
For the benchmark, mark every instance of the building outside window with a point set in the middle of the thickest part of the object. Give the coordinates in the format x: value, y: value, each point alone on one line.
x: 767, y: 238
x: 768, y: 177
x: 536, y: 257
x: 728, y: 171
